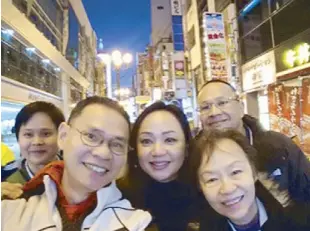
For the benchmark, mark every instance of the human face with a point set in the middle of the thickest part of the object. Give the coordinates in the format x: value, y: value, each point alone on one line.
x: 224, y: 110
x: 87, y: 169
x: 227, y: 181
x: 161, y: 146
x: 37, y: 140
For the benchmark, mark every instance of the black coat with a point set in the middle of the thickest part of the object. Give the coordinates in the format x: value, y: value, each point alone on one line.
x: 276, y: 151
x: 172, y: 205
x: 295, y: 217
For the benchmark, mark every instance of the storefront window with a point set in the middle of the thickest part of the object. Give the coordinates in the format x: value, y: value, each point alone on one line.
x: 9, y: 111
x: 257, y: 42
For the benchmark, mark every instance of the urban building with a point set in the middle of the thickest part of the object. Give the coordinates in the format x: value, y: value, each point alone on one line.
x: 271, y: 51
x: 48, y: 53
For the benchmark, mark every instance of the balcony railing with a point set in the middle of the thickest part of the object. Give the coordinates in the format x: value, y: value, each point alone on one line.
x: 49, y: 83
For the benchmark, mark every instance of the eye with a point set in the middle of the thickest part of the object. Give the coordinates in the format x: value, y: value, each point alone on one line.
x: 117, y: 144
x: 28, y: 135
x: 236, y: 172
x: 206, y: 107
x: 211, y: 180
x: 47, y: 134
x: 222, y: 102
x: 91, y: 136
x: 146, y: 141
x: 170, y: 140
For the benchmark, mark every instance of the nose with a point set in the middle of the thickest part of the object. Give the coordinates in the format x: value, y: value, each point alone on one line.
x: 103, y: 151
x: 37, y: 140
x: 215, y: 110
x: 159, y: 149
x: 227, y: 186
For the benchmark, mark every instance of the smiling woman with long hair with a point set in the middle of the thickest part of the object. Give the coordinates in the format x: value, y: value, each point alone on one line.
x: 157, y: 165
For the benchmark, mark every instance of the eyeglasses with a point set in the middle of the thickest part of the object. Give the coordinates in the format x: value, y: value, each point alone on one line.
x: 93, y: 139
x: 221, y: 104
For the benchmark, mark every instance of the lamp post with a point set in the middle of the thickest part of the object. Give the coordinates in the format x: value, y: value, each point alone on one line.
x: 117, y: 59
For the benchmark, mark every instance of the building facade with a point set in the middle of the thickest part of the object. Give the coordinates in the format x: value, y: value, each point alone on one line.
x: 48, y: 53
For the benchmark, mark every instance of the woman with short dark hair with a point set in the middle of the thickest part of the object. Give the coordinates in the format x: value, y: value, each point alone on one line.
x: 36, y: 129
x: 223, y: 167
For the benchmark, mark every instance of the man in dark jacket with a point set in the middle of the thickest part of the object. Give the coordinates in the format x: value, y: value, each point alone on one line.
x: 279, y: 156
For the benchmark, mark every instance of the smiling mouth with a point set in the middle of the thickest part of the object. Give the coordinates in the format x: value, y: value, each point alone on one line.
x: 38, y: 152
x: 159, y: 165
x: 215, y: 123
x: 230, y: 203
x: 96, y: 168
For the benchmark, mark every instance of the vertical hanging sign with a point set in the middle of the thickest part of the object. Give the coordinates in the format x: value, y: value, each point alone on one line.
x: 215, y: 46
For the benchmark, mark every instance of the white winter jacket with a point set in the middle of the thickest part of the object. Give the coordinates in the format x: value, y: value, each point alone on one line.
x: 40, y: 212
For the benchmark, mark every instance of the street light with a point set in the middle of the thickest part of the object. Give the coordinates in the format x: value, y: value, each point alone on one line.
x: 117, y: 59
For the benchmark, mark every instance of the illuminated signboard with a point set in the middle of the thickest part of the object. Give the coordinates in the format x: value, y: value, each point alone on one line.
x: 298, y: 56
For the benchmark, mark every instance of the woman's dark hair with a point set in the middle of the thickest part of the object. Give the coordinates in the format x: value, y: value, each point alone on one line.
x: 25, y: 114
x: 205, y: 144
x: 110, y: 103
x: 135, y: 174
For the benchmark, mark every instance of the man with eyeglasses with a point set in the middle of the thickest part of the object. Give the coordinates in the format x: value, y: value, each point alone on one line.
x: 80, y: 193
x: 285, y: 163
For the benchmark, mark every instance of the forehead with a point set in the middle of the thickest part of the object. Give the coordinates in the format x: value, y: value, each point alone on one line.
x: 225, y: 153
x: 160, y: 121
x: 102, y: 118
x: 215, y: 90
x: 39, y: 120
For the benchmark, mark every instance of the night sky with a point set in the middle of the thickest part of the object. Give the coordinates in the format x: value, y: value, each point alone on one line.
x: 123, y: 25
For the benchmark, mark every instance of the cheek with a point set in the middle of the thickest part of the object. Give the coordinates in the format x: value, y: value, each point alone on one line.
x: 143, y: 153
x: 51, y: 141
x: 210, y: 195
x: 24, y: 144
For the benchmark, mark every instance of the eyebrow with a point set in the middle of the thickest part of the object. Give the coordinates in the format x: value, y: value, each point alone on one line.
x: 31, y: 129
x: 120, y: 138
x: 211, y: 172
x: 150, y: 133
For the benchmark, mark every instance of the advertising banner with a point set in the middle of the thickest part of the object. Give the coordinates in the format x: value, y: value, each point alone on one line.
x: 292, y: 113
x: 179, y: 68
x: 276, y: 102
x: 306, y: 115
x: 215, y: 51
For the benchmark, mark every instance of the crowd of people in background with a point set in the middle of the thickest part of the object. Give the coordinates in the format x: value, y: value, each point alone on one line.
x: 233, y: 175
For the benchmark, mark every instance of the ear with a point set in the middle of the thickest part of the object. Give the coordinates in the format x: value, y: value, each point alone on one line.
x: 62, y: 134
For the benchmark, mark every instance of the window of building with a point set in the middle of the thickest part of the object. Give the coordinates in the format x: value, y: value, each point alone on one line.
x: 257, y: 42
x: 278, y: 4
x: 297, y: 14
x: 251, y: 17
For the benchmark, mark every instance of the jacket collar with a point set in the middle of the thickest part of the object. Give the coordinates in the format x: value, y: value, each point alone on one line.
x: 105, y: 197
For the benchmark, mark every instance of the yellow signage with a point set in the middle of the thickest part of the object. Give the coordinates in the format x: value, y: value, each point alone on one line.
x: 297, y: 56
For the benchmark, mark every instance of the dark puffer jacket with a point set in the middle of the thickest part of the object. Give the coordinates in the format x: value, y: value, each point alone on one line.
x: 282, y: 159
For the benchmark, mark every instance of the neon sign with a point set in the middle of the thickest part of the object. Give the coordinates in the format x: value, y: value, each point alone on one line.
x: 298, y: 56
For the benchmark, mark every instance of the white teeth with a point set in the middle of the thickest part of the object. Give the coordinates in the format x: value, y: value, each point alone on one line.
x: 232, y: 202
x: 159, y: 163
x: 95, y: 168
